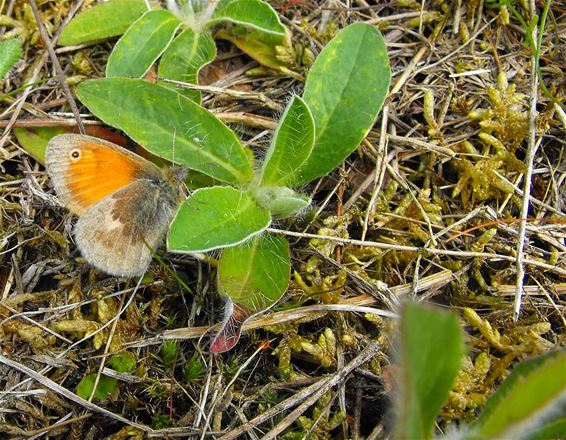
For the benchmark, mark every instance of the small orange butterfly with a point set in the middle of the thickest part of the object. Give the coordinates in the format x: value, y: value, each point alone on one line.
x: 124, y: 202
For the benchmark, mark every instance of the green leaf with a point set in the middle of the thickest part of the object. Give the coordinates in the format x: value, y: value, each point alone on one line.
x: 34, y: 140
x: 280, y: 200
x: 291, y: 145
x: 431, y: 349
x: 107, y: 388
x: 184, y: 58
x: 142, y: 44
x: 255, y: 274
x: 529, y: 398
x: 123, y: 362
x: 216, y: 217
x: 166, y: 123
x: 10, y: 53
x: 104, y: 20
x: 345, y: 90
x: 252, y: 43
x: 552, y: 430
x: 255, y: 14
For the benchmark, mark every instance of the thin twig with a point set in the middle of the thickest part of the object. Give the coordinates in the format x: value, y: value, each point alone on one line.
x: 431, y: 251
x: 529, y: 160
x: 379, y: 170
x: 33, y: 78
x: 60, y: 74
x: 35, y: 123
x: 236, y: 94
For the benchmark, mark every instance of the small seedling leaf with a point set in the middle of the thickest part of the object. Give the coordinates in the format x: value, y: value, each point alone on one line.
x: 280, y: 200
x: 123, y: 362
x: 532, y: 396
x: 104, y: 20
x: 107, y: 388
x: 345, y: 90
x: 142, y: 44
x: 291, y: 145
x: 10, y: 53
x: 431, y: 348
x: 184, y: 58
x: 167, y: 124
x: 169, y: 353
x: 255, y: 14
x: 216, y: 217
x: 255, y: 274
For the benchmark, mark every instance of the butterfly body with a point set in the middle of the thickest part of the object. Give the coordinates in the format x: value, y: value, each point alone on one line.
x: 124, y: 202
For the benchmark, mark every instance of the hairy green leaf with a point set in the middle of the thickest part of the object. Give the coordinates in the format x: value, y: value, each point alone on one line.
x: 431, y: 347
x: 10, y: 53
x: 280, y: 200
x: 255, y: 274
x: 142, y: 44
x: 291, y: 145
x: 104, y: 20
x: 550, y: 430
x: 184, y: 58
x: 533, y: 395
x: 216, y: 217
x: 254, y: 14
x: 168, y: 124
x: 34, y: 140
x: 345, y: 90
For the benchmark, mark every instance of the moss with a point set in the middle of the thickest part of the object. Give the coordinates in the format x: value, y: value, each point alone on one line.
x: 484, y: 162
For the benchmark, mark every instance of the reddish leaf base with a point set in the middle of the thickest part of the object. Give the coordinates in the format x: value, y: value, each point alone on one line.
x: 229, y: 334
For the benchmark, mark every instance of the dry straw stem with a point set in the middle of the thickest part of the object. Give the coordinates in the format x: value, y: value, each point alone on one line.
x: 424, y: 250
x: 60, y: 75
x: 307, y: 397
x: 299, y: 315
x: 33, y: 78
x: 230, y: 93
x: 529, y: 160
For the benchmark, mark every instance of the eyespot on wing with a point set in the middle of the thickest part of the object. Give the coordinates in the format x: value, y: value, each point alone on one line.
x: 84, y: 169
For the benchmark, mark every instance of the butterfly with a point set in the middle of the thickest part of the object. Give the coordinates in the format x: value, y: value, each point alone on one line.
x: 125, y: 203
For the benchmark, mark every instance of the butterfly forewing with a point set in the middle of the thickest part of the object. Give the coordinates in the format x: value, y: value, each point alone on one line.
x: 85, y: 170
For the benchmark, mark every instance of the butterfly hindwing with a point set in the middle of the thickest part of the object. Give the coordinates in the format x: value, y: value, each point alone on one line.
x: 115, y: 233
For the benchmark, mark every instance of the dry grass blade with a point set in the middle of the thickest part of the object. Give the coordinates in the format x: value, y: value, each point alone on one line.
x: 304, y: 398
